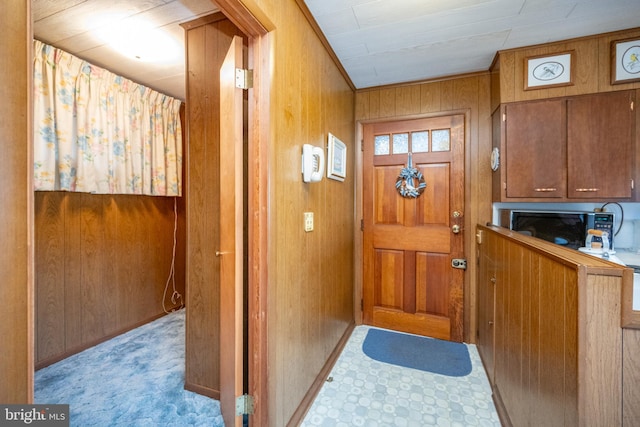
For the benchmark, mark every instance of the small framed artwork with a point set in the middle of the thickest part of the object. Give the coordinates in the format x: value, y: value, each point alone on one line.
x: 625, y: 61
x: 545, y: 71
x: 337, y: 159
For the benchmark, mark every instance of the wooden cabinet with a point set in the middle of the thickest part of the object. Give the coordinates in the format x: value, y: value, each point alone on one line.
x: 487, y: 269
x: 600, y: 145
x: 577, y: 148
x: 552, y: 342
x: 535, y: 157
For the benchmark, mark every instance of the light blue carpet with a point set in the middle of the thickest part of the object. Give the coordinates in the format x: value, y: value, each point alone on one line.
x: 135, y: 379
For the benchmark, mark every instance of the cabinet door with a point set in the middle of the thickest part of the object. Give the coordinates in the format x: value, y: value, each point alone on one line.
x: 536, y: 149
x: 600, y: 149
x: 488, y: 249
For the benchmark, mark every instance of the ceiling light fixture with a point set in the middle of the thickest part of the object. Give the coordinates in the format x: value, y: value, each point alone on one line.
x: 138, y: 39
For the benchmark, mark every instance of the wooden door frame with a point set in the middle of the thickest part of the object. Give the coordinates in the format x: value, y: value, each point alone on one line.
x: 469, y: 307
x: 257, y: 27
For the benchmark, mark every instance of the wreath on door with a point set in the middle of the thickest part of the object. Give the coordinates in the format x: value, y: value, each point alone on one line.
x: 410, y: 183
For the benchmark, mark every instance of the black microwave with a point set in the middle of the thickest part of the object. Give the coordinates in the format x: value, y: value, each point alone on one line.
x: 564, y: 228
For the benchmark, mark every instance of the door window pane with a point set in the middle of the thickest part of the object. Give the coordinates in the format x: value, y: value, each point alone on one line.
x: 381, y: 143
x: 400, y: 143
x: 440, y: 140
x: 420, y: 141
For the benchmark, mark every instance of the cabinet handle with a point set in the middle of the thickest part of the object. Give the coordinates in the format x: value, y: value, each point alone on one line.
x: 587, y: 190
x: 545, y: 190
x: 493, y: 280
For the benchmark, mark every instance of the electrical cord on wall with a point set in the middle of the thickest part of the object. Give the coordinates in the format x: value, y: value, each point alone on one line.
x: 175, y: 296
x: 621, y: 215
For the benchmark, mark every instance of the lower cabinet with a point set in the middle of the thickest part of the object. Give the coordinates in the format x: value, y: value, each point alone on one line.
x: 549, y: 331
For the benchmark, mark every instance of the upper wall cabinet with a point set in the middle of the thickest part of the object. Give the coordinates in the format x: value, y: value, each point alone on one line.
x: 535, y: 157
x: 566, y: 149
x: 600, y: 149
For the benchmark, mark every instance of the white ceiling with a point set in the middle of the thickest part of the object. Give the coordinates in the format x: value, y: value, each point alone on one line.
x: 71, y: 25
x: 382, y: 42
x: 378, y: 42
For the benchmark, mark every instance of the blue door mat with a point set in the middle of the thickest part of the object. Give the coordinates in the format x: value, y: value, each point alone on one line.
x: 416, y: 352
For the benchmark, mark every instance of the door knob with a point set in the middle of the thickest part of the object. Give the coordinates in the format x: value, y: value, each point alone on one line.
x: 455, y: 229
x: 219, y: 253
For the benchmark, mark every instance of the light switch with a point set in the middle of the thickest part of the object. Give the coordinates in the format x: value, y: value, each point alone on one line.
x: 308, y: 221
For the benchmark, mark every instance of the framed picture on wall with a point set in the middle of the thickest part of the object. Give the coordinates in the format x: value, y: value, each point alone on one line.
x: 337, y: 159
x: 625, y: 61
x: 544, y: 71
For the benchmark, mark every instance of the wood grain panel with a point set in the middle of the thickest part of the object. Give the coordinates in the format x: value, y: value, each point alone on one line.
x: 388, y: 209
x: 430, y: 98
x: 16, y: 234
x: 387, y: 102
x: 510, y: 382
x: 132, y: 236
x: 362, y: 108
x: 407, y: 101
x: 50, y: 297
x: 631, y: 376
x: 441, y: 326
x: 601, y: 347
x: 433, y: 273
x: 585, y: 79
x: 390, y: 293
x: 97, y: 315
x: 101, y: 265
x: 591, y: 67
x: 437, y: 178
x: 549, y: 392
x: 486, y: 274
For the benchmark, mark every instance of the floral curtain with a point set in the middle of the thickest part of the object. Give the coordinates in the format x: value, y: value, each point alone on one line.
x: 97, y: 132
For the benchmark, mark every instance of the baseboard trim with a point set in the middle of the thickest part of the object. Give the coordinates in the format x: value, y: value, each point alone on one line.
x: 310, y: 396
x: 503, y: 415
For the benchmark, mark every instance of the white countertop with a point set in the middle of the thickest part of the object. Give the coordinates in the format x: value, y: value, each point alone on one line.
x: 628, y: 257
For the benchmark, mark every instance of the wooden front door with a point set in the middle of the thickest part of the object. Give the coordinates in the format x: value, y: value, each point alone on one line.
x: 409, y: 242
x: 231, y: 238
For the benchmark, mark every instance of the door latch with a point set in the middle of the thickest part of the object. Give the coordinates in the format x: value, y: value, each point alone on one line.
x: 460, y: 263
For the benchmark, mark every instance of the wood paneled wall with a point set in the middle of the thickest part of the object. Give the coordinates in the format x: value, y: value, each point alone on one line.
x: 16, y: 290
x: 592, y: 68
x: 466, y: 94
x: 101, y: 266
x: 310, y: 275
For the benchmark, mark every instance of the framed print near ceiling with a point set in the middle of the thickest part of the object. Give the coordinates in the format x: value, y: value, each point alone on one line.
x: 625, y: 61
x: 544, y: 71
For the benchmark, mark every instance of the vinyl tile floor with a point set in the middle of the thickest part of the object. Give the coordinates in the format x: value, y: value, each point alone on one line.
x: 361, y: 391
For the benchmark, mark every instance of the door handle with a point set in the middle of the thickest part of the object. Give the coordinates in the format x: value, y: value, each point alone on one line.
x: 455, y: 229
x: 220, y: 253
